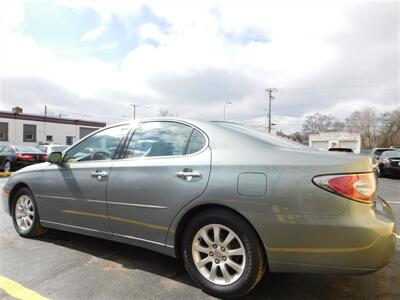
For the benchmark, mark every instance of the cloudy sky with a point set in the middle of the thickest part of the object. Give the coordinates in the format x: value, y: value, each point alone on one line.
x: 92, y: 59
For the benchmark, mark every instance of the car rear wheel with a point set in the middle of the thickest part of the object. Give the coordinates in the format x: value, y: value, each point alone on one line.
x: 7, y: 166
x: 25, y: 214
x: 223, y: 254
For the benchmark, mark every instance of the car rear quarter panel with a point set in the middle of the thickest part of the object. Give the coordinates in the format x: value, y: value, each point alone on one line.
x: 297, y: 222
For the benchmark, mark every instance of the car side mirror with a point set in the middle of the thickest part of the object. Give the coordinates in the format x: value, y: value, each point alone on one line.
x: 55, y: 158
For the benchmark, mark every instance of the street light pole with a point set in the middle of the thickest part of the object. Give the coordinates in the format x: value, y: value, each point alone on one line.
x: 226, y: 102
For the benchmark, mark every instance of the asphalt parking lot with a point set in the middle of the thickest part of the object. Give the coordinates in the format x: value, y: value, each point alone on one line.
x: 63, y: 265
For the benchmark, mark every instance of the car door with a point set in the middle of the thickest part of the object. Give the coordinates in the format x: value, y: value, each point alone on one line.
x: 74, y: 193
x: 166, y: 165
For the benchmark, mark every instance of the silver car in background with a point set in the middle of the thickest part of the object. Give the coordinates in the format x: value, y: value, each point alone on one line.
x: 231, y: 202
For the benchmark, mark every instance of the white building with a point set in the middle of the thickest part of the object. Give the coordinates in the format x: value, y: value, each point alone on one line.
x: 326, y: 140
x: 32, y: 130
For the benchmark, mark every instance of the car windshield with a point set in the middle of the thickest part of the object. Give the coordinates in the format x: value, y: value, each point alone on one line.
x: 27, y: 149
x: 378, y: 152
x: 60, y: 148
x: 264, y: 137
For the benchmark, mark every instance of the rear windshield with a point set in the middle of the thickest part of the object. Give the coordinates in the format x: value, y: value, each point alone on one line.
x: 392, y: 153
x: 264, y: 137
x: 378, y: 152
x: 27, y: 149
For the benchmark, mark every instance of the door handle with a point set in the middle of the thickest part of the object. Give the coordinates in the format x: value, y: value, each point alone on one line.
x: 99, y: 174
x: 188, y: 174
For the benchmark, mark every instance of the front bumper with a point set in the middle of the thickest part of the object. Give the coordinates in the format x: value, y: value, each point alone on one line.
x: 5, y: 196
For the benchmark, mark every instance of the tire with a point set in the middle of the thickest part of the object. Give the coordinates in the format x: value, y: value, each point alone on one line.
x: 7, y: 166
x: 196, y: 251
x: 25, y: 214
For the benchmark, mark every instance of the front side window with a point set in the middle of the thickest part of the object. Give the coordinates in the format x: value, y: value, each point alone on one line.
x: 101, y: 146
x: 29, y: 133
x: 159, y: 139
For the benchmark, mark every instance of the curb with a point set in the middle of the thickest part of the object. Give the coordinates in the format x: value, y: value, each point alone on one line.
x: 5, y: 174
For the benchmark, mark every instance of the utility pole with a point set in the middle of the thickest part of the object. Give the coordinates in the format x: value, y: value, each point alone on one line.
x: 134, y: 110
x: 270, y: 97
x: 44, y: 124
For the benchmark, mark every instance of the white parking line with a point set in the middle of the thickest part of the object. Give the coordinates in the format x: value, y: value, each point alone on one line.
x: 393, y: 202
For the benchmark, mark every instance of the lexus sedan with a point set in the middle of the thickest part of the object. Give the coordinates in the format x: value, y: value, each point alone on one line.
x: 15, y: 157
x: 230, y: 202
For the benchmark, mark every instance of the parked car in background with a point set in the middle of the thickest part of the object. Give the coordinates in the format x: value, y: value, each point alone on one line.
x: 348, y: 150
x: 14, y: 157
x: 376, y: 152
x: 48, y: 148
x: 230, y: 201
x: 389, y: 163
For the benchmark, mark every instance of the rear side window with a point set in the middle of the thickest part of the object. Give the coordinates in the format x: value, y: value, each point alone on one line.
x: 196, y: 143
x: 159, y: 139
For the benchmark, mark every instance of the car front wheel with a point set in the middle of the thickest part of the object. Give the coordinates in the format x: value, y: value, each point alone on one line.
x: 223, y: 254
x: 25, y: 214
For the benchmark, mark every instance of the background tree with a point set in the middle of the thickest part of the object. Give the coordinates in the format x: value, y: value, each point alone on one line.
x: 165, y: 113
x: 318, y: 122
x: 366, y: 123
x: 389, y: 131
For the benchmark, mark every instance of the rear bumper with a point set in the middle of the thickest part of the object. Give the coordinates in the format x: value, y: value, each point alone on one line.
x: 392, y: 171
x: 359, y: 241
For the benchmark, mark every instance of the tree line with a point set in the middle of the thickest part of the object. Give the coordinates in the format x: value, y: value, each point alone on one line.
x: 376, y: 129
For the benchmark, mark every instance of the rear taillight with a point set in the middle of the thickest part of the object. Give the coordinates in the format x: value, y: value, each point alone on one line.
x: 43, y: 157
x: 26, y: 156
x: 358, y: 187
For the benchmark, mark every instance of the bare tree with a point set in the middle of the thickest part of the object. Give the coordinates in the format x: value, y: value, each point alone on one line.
x: 366, y: 123
x: 165, y: 113
x: 319, y: 123
x: 389, y: 131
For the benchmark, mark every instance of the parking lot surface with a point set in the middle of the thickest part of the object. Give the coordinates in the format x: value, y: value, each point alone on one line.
x: 64, y: 265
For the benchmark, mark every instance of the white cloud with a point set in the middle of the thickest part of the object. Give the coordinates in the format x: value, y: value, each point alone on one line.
x: 308, y: 44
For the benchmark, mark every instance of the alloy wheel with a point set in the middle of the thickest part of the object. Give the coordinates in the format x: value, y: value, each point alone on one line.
x: 24, y: 212
x: 219, y: 254
x: 7, y: 166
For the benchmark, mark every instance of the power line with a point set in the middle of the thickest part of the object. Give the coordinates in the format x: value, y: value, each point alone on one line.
x: 356, y: 86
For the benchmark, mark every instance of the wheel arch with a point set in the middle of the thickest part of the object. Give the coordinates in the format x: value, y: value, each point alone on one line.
x: 191, y: 213
x: 14, y: 190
